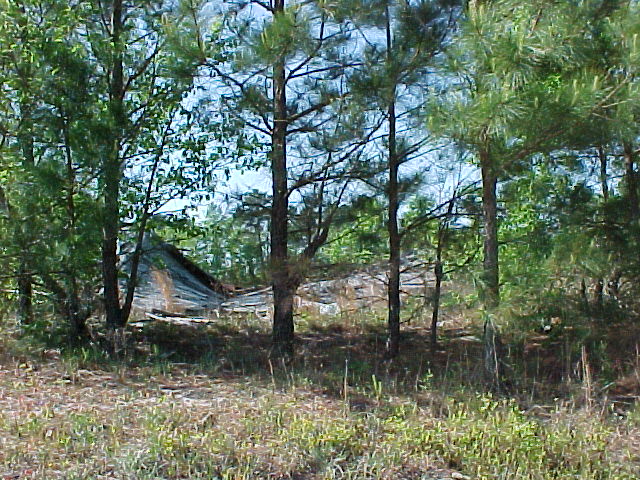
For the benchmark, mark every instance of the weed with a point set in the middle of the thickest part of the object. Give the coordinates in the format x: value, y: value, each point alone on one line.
x: 205, y: 403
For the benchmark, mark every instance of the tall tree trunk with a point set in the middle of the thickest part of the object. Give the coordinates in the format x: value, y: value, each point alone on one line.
x: 631, y: 182
x: 25, y: 294
x: 281, y: 274
x: 604, y: 185
x: 491, y: 286
x: 438, y: 270
x: 75, y: 316
x: 111, y: 178
x: 492, y: 353
x: 604, y: 176
x: 26, y: 142
x: 439, y: 273
x: 393, y: 342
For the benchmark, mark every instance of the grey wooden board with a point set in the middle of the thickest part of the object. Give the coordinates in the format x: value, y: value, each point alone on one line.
x: 165, y: 285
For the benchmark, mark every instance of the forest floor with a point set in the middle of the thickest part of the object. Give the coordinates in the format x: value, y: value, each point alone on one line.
x: 204, y: 401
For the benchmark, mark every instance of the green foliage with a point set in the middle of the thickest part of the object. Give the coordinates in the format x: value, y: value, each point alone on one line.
x: 548, y: 91
x: 530, y: 227
x: 48, y: 221
x: 428, y: 224
x: 58, y: 127
x: 510, y: 60
x: 359, y: 235
x: 235, y: 246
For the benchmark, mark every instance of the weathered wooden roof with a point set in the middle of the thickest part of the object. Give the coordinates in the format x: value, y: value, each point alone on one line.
x: 169, y: 281
x: 171, y: 284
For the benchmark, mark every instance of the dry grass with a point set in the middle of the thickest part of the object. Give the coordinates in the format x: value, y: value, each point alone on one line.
x: 205, y: 402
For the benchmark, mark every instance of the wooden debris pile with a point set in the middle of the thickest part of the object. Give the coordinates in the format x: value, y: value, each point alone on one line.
x: 173, y: 287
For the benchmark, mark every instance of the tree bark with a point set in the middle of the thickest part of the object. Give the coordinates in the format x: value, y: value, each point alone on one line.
x: 631, y: 182
x: 76, y: 317
x: 111, y: 178
x: 491, y: 286
x: 603, y: 173
x: 439, y: 273
x: 492, y: 354
x: 281, y: 274
x: 25, y: 294
x: 26, y: 142
x: 438, y: 270
x: 393, y: 342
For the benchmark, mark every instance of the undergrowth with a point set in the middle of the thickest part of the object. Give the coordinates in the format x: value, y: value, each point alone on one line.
x: 99, y: 426
x: 206, y: 402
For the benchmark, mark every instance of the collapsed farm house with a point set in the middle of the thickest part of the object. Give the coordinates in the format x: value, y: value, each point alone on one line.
x: 171, y: 285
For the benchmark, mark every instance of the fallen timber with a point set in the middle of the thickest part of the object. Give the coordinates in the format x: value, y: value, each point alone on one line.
x: 173, y: 288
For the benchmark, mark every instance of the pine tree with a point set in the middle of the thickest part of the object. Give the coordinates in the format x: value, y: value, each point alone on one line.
x: 286, y: 82
x: 523, y: 85
x: 42, y: 220
x: 413, y: 33
x: 133, y: 54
